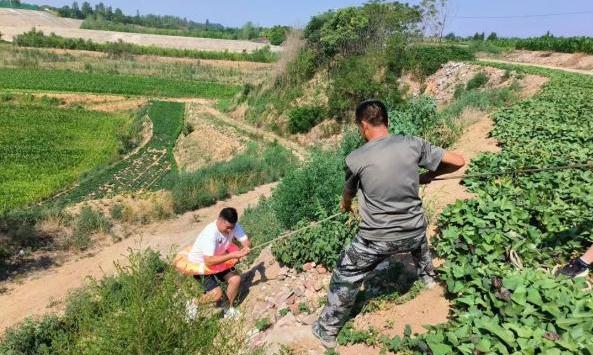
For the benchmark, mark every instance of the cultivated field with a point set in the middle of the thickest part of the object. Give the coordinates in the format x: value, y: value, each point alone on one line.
x: 15, y: 22
x: 44, y: 148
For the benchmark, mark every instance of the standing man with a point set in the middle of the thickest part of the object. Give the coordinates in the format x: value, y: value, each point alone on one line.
x: 210, y: 248
x: 385, y: 174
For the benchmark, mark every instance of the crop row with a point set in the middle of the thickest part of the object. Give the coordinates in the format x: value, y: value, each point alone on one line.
x: 61, y: 80
x: 143, y: 170
x: 44, y: 148
x: 545, y: 218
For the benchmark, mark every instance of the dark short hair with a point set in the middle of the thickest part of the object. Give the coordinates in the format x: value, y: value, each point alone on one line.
x: 372, y: 111
x: 229, y: 214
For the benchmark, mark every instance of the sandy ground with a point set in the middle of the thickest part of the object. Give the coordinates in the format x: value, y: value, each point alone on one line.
x: 31, y: 18
x: 577, y: 61
x: 15, y: 22
x: 195, y: 150
x: 546, y: 66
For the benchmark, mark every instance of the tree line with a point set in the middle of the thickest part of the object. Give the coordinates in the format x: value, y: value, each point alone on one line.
x: 106, y: 17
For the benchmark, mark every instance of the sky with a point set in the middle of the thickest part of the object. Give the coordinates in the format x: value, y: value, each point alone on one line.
x: 492, y: 15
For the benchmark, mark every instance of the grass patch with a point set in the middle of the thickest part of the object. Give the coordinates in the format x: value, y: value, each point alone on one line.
x: 256, y: 166
x: 43, y: 149
x: 139, y: 310
x: 63, y: 80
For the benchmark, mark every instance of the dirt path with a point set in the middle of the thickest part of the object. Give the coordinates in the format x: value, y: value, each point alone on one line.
x: 545, y: 66
x: 44, y: 292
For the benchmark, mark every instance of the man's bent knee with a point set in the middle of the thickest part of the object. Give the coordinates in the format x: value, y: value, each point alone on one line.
x: 213, y: 295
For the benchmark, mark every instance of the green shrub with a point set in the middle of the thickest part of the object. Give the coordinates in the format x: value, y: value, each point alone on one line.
x: 355, y: 79
x: 38, y: 39
x: 302, y: 119
x: 425, y: 60
x: 139, y: 310
x: 263, y: 324
x: 255, y: 166
x: 302, y: 192
x: 321, y: 244
x: 88, y: 222
x: 33, y: 336
x: 261, y: 225
x: 117, y: 211
x: 479, y: 80
x: 415, y: 118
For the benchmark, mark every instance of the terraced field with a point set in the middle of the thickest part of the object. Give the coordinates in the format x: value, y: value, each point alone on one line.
x: 44, y: 148
x: 144, y: 169
x: 58, y: 80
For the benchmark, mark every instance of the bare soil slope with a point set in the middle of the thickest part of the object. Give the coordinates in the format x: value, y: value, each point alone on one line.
x: 15, y: 22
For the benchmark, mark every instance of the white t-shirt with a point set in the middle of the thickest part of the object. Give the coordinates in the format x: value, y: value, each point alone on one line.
x: 210, y: 242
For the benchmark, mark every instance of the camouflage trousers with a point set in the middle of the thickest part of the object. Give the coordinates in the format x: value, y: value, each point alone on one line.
x: 355, y: 263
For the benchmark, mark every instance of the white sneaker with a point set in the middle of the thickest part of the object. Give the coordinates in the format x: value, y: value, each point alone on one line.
x: 191, y: 310
x: 232, y: 313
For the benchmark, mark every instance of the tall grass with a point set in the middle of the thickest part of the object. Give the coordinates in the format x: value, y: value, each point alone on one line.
x: 140, y: 310
x: 255, y: 166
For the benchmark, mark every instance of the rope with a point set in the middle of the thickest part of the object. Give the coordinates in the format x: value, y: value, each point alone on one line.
x: 517, y: 172
x: 291, y: 233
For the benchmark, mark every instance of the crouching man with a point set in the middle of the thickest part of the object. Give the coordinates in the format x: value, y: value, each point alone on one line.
x: 211, y: 248
x: 385, y: 174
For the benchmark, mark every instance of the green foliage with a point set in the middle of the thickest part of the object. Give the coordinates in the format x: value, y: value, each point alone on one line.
x: 479, y: 80
x: 255, y: 166
x: 89, y: 221
x: 424, y: 60
x: 549, y: 42
x: 148, y: 168
x: 416, y: 118
x: 277, y: 34
x: 17, y: 4
x: 60, y: 80
x: 352, y: 30
x: 321, y: 244
x: 261, y: 225
x: 303, y: 191
x: 263, y: 324
x: 44, y: 148
x: 39, y: 39
x: 543, y: 217
x: 139, y: 310
x: 301, y: 119
x: 355, y: 79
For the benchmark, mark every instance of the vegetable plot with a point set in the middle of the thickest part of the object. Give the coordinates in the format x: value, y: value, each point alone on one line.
x: 143, y: 170
x: 62, y: 80
x: 545, y: 218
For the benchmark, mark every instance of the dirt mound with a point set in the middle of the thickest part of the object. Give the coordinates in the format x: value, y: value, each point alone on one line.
x: 454, y: 75
x: 208, y: 142
x: 580, y: 61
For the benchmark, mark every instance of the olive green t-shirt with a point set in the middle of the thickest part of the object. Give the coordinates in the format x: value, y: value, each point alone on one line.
x: 385, y: 175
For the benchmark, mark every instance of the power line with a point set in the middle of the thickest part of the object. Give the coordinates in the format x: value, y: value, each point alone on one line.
x: 525, y: 16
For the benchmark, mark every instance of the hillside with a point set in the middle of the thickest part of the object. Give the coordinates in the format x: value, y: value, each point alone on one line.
x: 15, y: 22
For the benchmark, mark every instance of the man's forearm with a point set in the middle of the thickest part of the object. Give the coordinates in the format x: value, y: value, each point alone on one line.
x: 218, y: 259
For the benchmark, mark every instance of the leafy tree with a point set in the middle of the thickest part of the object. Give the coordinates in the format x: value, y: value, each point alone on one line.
x: 492, y: 36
